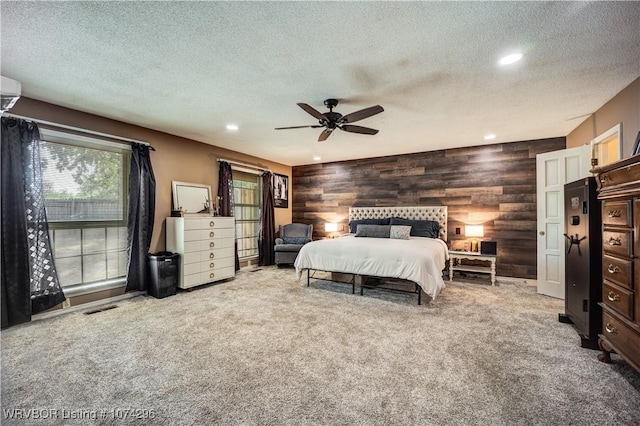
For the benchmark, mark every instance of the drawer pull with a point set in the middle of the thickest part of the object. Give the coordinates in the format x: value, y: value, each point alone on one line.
x: 611, y: 329
x: 211, y: 265
x: 614, y: 297
x: 211, y: 234
x: 211, y: 244
x: 211, y: 275
x: 603, y: 179
x: 211, y: 255
x: 614, y: 213
x: 211, y: 224
x: 613, y: 269
x: 614, y: 241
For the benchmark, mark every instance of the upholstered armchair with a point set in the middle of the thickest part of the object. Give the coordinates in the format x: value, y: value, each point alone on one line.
x: 291, y: 239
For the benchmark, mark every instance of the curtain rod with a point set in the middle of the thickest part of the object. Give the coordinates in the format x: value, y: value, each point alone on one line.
x: 78, y: 129
x: 240, y: 163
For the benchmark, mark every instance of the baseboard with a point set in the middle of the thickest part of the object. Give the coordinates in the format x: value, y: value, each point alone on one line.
x: 86, y: 306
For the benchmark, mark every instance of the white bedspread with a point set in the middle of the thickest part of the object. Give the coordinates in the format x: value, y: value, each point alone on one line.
x: 418, y: 259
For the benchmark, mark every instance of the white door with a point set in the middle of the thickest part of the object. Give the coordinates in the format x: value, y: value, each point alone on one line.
x: 553, y: 170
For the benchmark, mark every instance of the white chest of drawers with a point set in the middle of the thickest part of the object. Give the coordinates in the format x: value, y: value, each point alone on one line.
x: 206, y: 247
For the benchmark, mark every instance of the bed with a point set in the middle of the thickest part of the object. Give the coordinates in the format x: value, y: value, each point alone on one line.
x: 417, y: 259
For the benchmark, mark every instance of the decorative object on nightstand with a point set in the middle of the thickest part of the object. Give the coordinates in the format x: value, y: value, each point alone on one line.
x: 331, y: 227
x: 455, y: 263
x: 474, y: 232
x: 489, y: 247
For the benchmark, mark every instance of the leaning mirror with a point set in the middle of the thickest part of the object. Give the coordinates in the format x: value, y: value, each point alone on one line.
x: 191, y: 198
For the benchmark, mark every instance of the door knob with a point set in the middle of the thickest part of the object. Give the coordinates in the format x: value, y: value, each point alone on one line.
x: 541, y: 232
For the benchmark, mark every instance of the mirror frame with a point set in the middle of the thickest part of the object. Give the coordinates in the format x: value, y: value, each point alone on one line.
x: 175, y: 187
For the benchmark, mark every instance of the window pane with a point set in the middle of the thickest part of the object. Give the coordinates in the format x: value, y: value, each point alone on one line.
x: 82, y: 184
x: 94, y: 241
x: 69, y: 270
x: 66, y: 242
x: 95, y: 267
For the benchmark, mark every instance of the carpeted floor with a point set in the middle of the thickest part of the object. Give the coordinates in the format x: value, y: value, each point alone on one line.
x: 264, y: 350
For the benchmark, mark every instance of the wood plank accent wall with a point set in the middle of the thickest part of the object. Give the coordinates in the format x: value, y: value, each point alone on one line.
x: 493, y: 185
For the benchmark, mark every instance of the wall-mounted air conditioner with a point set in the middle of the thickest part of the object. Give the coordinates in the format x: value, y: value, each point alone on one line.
x: 9, y: 93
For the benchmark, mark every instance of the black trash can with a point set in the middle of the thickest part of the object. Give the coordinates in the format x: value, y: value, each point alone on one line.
x: 165, y: 273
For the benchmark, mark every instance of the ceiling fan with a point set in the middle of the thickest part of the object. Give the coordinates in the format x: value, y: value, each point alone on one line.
x: 334, y: 120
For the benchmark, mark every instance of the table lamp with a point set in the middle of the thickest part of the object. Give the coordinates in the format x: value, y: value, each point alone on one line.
x: 473, y: 232
x: 331, y: 227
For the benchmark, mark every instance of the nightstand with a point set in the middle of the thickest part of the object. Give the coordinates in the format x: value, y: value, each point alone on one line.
x: 455, y: 263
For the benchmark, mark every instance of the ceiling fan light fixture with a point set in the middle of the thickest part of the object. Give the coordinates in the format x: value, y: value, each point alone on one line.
x: 334, y: 120
x: 511, y: 59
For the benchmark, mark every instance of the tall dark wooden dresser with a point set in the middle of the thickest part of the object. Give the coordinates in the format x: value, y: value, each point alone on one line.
x: 619, y: 190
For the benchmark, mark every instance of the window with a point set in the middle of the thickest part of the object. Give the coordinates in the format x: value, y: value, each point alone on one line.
x: 85, y: 184
x: 247, y: 193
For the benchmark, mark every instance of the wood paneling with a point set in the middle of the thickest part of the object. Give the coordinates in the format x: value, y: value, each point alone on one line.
x: 494, y: 185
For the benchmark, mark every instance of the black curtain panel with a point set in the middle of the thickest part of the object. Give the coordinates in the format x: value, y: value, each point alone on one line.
x: 267, y: 238
x: 140, y: 218
x: 225, y: 193
x: 16, y: 276
x: 29, y: 277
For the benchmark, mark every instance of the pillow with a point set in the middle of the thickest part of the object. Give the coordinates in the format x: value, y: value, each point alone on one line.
x: 353, y: 225
x: 295, y: 240
x: 373, y: 231
x: 400, y: 232
x: 419, y: 228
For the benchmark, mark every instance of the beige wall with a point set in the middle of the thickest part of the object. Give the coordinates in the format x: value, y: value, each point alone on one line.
x: 623, y: 108
x: 175, y: 158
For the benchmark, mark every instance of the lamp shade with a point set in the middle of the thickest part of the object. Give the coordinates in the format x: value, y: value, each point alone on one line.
x: 331, y: 227
x: 474, y: 231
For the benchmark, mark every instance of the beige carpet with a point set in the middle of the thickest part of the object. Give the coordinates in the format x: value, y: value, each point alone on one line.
x: 265, y: 350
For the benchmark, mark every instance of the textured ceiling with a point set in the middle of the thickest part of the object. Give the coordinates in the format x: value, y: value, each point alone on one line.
x: 189, y: 68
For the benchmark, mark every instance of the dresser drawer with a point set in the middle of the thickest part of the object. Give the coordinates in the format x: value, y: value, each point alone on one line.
x: 624, y: 339
x: 218, y: 274
x: 215, y: 264
x: 618, y: 271
x: 209, y: 265
x: 618, y: 242
x: 619, y: 176
x: 198, y: 223
x: 617, y: 213
x: 618, y: 299
x: 201, y: 235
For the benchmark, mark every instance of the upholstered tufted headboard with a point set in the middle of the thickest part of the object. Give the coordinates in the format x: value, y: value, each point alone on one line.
x: 436, y: 213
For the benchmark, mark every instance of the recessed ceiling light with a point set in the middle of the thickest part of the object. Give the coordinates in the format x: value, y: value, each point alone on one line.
x: 511, y: 59
x: 232, y: 127
x: 489, y: 137
x: 316, y: 158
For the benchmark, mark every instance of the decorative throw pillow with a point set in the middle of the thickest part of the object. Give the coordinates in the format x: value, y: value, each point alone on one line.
x: 400, y: 232
x: 373, y: 231
x: 419, y: 228
x: 295, y: 240
x: 353, y: 225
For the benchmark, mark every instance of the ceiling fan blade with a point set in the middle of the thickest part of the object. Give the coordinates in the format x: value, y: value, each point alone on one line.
x: 317, y: 114
x: 358, y: 129
x: 362, y: 114
x: 297, y: 127
x: 325, y: 134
